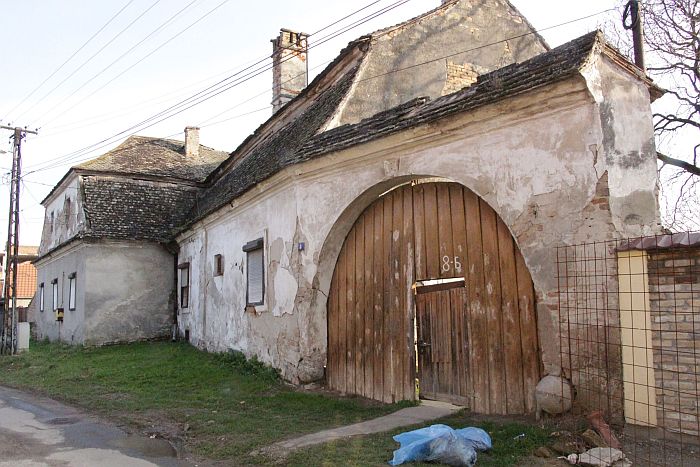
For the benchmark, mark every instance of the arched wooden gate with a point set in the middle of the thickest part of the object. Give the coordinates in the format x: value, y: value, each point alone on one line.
x: 433, y: 258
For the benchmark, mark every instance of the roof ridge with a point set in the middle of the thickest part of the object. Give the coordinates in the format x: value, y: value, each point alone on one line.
x: 388, y: 29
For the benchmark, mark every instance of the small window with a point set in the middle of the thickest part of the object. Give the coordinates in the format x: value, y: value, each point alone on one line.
x: 71, y: 291
x: 256, y: 272
x: 184, y: 284
x: 54, y: 286
x: 218, y: 265
x: 66, y: 212
x: 41, y: 297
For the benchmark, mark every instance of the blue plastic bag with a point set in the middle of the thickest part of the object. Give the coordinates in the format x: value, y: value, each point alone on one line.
x: 441, y: 443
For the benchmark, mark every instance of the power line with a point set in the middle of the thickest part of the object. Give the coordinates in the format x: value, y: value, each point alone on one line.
x: 155, y: 31
x: 415, y: 65
x: 79, y: 153
x: 71, y: 57
x: 91, y: 57
x: 258, y: 60
x: 206, y: 94
x: 203, y: 123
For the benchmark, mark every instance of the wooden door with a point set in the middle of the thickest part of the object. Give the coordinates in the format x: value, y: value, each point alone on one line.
x: 417, y: 233
x: 442, y: 343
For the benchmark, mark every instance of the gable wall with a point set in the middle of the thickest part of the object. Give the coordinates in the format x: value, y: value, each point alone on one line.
x: 66, y: 224
x: 465, y: 25
x: 542, y: 161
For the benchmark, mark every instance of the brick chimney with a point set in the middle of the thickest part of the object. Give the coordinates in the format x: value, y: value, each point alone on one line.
x: 191, y: 141
x: 290, y: 68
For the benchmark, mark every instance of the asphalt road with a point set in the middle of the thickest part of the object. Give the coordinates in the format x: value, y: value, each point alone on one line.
x: 36, y: 431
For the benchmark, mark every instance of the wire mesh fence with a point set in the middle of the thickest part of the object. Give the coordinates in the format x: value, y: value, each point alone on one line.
x: 629, y: 322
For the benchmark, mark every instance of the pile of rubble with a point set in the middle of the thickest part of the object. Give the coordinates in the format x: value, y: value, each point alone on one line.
x: 596, y: 446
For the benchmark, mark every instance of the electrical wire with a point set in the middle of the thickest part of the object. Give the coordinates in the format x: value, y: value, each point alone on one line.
x: 221, y: 83
x: 71, y: 57
x: 203, y: 95
x: 131, y: 49
x: 130, y: 110
x: 79, y: 153
x: 91, y: 57
x: 415, y: 65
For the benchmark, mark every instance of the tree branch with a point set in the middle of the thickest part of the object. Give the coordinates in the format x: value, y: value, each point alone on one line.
x: 687, y: 166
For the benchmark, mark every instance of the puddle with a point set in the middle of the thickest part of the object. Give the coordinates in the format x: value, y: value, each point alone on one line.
x: 62, y: 421
x: 149, y: 447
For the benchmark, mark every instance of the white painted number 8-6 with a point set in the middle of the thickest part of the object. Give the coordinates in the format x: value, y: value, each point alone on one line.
x: 447, y: 263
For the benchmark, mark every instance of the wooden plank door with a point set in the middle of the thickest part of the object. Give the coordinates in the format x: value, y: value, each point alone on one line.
x: 483, y: 352
x: 443, y: 366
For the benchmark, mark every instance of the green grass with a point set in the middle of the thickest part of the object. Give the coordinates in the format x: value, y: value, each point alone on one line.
x: 376, y: 450
x: 221, y: 405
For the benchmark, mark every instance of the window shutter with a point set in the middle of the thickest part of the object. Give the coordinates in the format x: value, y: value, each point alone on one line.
x: 255, y: 277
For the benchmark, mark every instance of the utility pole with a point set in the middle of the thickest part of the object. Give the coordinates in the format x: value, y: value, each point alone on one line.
x: 632, y: 19
x: 8, y: 341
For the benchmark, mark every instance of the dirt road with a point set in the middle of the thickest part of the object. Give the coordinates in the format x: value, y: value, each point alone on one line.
x: 36, y: 431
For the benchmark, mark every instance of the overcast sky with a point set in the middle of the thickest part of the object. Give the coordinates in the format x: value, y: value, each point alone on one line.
x: 111, y: 84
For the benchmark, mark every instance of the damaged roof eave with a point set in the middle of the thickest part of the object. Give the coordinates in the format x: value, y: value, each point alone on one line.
x: 655, y: 91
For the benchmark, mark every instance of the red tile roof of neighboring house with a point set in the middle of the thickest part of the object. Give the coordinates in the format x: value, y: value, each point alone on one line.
x: 26, y: 280
x: 653, y: 242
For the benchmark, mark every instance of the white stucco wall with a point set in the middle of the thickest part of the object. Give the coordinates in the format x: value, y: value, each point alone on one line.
x: 124, y: 292
x: 540, y: 160
x: 59, y: 267
x: 128, y: 291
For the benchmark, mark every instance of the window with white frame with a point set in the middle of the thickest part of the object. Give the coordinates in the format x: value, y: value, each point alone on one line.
x: 255, y: 292
x: 184, y: 269
x: 71, y: 291
x: 41, y: 297
x: 54, y: 286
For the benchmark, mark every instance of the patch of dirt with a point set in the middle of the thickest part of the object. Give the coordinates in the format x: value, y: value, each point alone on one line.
x: 14, y: 446
x: 316, y: 388
x: 541, y: 462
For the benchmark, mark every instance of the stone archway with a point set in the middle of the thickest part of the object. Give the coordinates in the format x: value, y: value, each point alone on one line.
x: 440, y: 247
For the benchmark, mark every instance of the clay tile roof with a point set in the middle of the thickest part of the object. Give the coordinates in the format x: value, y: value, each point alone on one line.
x: 26, y: 280
x: 658, y: 242
x: 300, y: 141
x: 544, y: 69
x: 141, y: 155
x: 123, y: 208
x: 276, y: 152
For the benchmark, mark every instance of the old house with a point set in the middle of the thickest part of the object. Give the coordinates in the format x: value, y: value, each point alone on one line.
x: 401, y: 209
x: 104, y: 259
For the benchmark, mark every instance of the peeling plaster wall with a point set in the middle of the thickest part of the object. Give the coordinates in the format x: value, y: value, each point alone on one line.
x: 128, y: 292
x: 540, y: 160
x: 476, y: 26
x: 66, y: 209
x: 628, y: 147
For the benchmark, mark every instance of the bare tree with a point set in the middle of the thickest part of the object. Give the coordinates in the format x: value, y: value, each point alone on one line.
x: 672, y: 47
